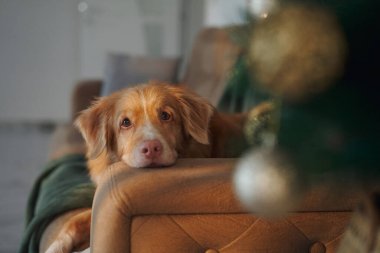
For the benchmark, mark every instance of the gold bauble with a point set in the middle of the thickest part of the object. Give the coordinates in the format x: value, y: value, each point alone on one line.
x: 261, y: 124
x: 267, y: 183
x: 297, y: 51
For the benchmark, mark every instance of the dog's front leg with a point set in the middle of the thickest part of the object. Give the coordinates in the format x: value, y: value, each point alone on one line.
x: 74, y: 235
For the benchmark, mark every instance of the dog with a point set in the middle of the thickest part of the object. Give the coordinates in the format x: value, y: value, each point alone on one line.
x: 150, y: 125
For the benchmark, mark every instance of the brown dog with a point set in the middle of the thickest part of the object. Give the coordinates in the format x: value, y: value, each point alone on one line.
x: 148, y: 126
x: 152, y: 125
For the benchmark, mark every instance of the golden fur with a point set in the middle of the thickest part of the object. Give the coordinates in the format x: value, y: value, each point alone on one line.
x: 194, y: 129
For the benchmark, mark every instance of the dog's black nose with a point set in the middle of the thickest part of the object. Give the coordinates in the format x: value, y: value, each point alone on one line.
x: 151, y: 149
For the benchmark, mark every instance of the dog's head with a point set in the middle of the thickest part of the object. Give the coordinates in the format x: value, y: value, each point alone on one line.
x: 146, y: 125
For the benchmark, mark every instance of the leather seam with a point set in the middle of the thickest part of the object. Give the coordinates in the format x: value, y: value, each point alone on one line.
x: 115, y: 194
x: 183, y: 230
x: 298, y: 229
x: 338, y: 237
x: 239, y: 236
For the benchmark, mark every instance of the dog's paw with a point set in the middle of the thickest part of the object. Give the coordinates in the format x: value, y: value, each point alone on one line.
x: 74, y: 235
x: 63, y: 244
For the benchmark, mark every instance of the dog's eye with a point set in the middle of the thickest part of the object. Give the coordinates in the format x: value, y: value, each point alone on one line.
x: 165, y: 116
x: 126, y: 123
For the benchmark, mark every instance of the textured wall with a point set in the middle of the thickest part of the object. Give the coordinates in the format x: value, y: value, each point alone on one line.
x: 39, y: 59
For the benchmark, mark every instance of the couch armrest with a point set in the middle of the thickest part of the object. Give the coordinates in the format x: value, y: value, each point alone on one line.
x: 192, y: 207
x: 192, y: 186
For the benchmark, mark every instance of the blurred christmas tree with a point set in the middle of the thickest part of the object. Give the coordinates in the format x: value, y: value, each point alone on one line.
x: 318, y: 63
x: 320, y: 60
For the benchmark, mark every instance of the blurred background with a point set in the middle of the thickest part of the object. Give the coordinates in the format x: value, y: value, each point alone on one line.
x: 46, y: 46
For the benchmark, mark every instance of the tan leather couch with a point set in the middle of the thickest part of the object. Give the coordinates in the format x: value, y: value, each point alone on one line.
x: 191, y: 206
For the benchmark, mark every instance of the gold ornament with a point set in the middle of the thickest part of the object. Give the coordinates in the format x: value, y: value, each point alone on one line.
x: 297, y: 51
x: 261, y: 125
x: 267, y: 183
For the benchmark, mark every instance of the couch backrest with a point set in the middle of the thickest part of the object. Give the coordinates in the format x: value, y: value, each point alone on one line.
x: 213, y: 56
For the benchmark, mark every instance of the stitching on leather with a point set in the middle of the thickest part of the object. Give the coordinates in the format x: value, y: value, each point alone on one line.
x: 297, y: 228
x: 334, y: 240
x: 240, y: 236
x: 115, y: 193
x: 147, y: 218
x: 183, y: 230
x: 324, y: 211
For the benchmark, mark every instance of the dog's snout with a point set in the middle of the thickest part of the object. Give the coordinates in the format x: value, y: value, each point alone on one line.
x: 151, y: 149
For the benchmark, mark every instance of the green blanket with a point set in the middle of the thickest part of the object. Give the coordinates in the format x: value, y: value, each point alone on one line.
x: 64, y: 185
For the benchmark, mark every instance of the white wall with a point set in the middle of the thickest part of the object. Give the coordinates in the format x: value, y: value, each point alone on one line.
x: 47, y: 45
x: 220, y: 13
x: 121, y: 26
x: 192, y: 14
x: 39, y: 59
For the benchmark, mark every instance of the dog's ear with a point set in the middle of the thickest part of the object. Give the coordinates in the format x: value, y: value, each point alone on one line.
x: 95, y: 125
x: 195, y: 112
